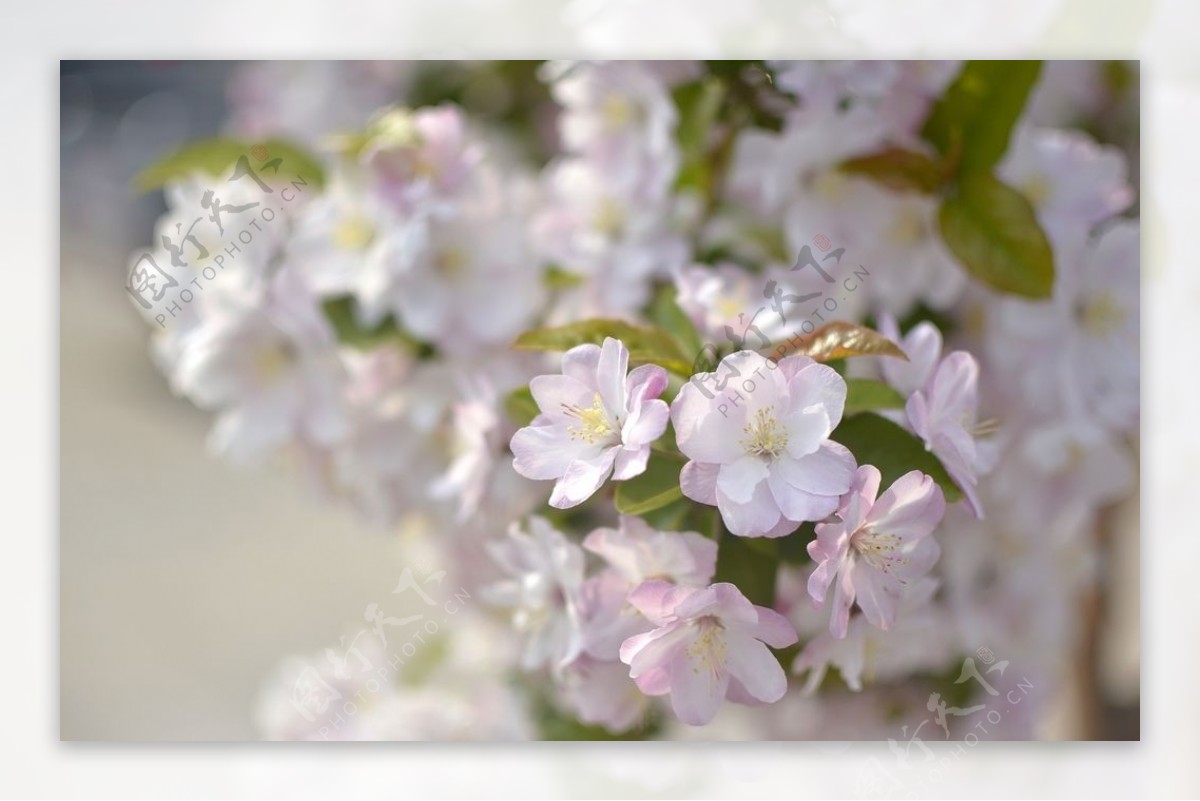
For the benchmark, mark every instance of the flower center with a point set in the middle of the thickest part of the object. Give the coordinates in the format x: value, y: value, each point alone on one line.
x: 707, y: 650
x: 881, y: 551
x: 450, y: 262
x: 609, y: 218
x: 1099, y: 316
x: 1036, y: 189
x: 908, y: 228
x: 353, y: 233
x: 594, y: 424
x: 617, y: 112
x: 764, y: 435
x: 272, y: 361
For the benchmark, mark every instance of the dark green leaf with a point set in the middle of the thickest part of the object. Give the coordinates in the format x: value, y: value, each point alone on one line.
x: 647, y: 344
x: 521, y: 407
x: 340, y: 313
x: 653, y: 489
x: 793, y: 549
x: 749, y: 563
x: 866, y: 395
x: 994, y: 232
x: 217, y: 157
x: 970, y: 124
x: 900, y: 169
x: 877, y: 441
x: 671, y: 517
x: 699, y: 105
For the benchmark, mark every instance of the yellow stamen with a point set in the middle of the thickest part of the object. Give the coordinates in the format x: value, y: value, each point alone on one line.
x: 353, y: 233
x: 707, y: 651
x: 1101, y: 315
x: 764, y: 435
x: 594, y: 424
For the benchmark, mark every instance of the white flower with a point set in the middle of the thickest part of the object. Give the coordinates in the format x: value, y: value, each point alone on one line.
x: 595, y: 421
x: 264, y: 356
x: 1078, y: 353
x: 759, y: 448
x: 544, y: 577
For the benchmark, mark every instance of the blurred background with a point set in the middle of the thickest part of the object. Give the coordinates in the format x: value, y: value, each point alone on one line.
x: 184, y: 580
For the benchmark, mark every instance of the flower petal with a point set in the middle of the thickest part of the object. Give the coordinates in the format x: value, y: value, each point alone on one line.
x: 554, y: 394
x: 911, y: 508
x: 610, y: 376
x: 818, y: 385
x: 697, y: 689
x: 753, y: 664
x: 646, y: 422
x: 630, y: 462
x: 754, y: 518
x: 546, y: 451
x: 797, y: 504
x: 773, y: 628
x: 739, y: 479
x: 699, y: 482
x: 582, y: 478
x: 580, y: 363
x: 829, y: 470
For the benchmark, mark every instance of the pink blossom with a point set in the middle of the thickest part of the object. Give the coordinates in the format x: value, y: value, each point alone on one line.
x: 602, y: 694
x: 595, y: 421
x: 635, y: 552
x: 638, y: 552
x: 710, y: 644
x: 760, y: 449
x: 943, y: 414
x: 420, y: 158
x: 876, y: 547
x: 923, y: 347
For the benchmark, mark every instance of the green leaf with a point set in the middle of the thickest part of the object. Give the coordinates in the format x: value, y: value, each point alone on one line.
x: 665, y: 312
x: 994, y: 232
x: 866, y: 395
x: 971, y: 123
x: 749, y: 563
x: 340, y: 313
x: 671, y: 517
x: 699, y: 105
x: 900, y: 169
x: 557, y: 278
x: 880, y: 442
x: 521, y: 407
x: 217, y: 157
x: 647, y: 344
x: 793, y: 549
x: 653, y: 489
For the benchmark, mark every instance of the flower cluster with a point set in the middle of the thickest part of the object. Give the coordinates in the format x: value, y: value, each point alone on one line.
x: 703, y: 339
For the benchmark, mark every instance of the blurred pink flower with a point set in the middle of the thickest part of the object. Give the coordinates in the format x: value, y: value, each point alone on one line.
x: 544, y: 574
x: 876, y: 547
x: 710, y: 644
x: 595, y: 421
